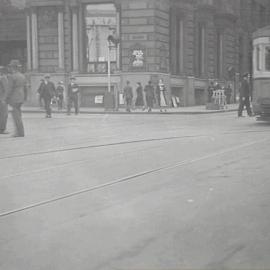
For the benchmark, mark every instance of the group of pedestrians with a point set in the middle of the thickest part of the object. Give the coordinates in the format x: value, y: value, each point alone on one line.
x: 145, y: 97
x: 244, y: 94
x: 13, y: 92
x: 49, y: 94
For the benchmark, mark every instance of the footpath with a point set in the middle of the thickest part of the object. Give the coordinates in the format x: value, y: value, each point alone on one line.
x: 180, y: 110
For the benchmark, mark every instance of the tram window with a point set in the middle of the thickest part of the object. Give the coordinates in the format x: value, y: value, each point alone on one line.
x: 267, y: 58
x: 258, y: 62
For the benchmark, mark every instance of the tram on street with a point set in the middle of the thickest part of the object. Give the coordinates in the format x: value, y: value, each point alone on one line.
x: 261, y: 73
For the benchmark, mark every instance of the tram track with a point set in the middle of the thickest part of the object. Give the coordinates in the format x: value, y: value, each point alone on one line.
x: 132, y: 177
x: 77, y: 148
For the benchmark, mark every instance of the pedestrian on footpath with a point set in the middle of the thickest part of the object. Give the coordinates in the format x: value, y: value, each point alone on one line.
x: 210, y: 91
x: 150, y: 96
x: 73, y: 96
x: 47, y: 93
x: 3, y: 95
x: 139, y: 99
x: 161, y: 96
x: 228, y: 94
x: 17, y: 94
x: 60, y: 95
x: 244, y: 96
x: 39, y: 91
x: 128, y: 96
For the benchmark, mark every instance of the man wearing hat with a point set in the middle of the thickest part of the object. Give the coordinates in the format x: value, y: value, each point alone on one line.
x: 3, y: 105
x: 73, y: 96
x: 17, y: 94
x: 244, y: 95
x: 48, y: 92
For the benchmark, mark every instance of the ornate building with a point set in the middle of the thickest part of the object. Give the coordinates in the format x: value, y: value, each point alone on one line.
x: 185, y: 42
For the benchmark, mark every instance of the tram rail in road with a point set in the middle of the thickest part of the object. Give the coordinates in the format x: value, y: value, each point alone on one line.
x: 132, y: 177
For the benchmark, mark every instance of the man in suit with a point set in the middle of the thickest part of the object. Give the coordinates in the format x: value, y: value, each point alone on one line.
x: 244, y: 96
x: 16, y: 95
x: 3, y: 104
x: 73, y: 96
x: 47, y: 92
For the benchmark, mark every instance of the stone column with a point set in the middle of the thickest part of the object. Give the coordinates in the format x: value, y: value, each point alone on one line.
x: 29, y: 47
x: 75, y: 49
x: 61, y: 56
x: 35, y: 59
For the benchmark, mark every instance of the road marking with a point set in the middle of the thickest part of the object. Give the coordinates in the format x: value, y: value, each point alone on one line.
x: 130, y: 177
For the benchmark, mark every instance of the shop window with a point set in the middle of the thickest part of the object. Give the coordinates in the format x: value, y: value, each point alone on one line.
x: 267, y: 58
x: 100, y: 22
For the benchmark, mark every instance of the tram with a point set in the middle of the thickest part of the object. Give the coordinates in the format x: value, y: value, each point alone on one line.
x: 261, y: 73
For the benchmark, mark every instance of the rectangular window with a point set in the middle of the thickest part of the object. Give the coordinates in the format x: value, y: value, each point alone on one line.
x: 262, y: 15
x: 100, y: 22
x: 219, y: 55
x: 201, y: 49
x: 267, y: 58
x: 181, y: 46
x: 258, y: 58
x: 177, y: 44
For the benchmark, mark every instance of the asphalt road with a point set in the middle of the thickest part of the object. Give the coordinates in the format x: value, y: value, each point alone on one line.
x: 136, y: 192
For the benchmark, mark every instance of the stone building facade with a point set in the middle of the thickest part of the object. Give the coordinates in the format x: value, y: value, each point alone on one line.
x: 185, y: 42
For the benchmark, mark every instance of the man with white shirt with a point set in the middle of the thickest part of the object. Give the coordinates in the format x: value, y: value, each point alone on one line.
x: 73, y: 96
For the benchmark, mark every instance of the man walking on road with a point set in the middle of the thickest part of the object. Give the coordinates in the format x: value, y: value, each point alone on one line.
x: 3, y: 104
x: 244, y: 92
x: 47, y: 93
x: 73, y: 96
x: 16, y: 95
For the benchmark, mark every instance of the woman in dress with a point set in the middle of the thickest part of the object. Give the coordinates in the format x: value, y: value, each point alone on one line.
x: 139, y: 100
x: 161, y: 95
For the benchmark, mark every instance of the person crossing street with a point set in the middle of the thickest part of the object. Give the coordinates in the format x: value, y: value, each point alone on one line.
x: 47, y: 93
x: 244, y: 95
x: 17, y: 94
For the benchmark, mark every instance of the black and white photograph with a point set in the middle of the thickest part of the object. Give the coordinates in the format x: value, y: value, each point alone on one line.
x: 134, y: 134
